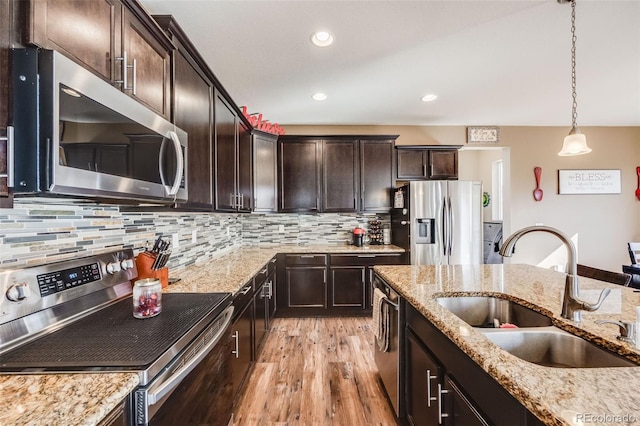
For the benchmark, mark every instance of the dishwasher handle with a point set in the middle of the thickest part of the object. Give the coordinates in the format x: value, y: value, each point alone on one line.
x: 156, y: 393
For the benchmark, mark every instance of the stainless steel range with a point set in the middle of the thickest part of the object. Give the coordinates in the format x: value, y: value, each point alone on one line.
x: 76, y: 316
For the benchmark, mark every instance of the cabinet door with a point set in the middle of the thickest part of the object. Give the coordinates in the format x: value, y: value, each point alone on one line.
x: 376, y: 175
x: 82, y: 30
x: 5, y: 37
x: 348, y: 286
x: 443, y: 164
x: 271, y: 298
x: 299, y: 167
x: 192, y: 113
x: 225, y: 155
x: 306, y: 287
x: 422, y: 376
x: 241, y: 331
x: 457, y: 408
x: 117, y: 417
x: 265, y: 173
x: 260, y: 302
x: 245, y: 182
x: 339, y: 176
x: 147, y: 65
x: 411, y: 163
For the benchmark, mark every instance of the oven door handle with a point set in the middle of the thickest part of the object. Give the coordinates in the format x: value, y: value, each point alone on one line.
x: 156, y: 393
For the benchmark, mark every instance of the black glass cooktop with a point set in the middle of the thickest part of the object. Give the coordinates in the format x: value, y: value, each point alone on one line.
x: 112, y: 339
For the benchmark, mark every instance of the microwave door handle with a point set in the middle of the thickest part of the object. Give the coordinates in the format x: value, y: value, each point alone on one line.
x: 180, y: 166
x: 163, y: 181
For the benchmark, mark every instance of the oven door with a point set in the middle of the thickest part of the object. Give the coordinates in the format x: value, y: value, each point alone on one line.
x: 197, y: 388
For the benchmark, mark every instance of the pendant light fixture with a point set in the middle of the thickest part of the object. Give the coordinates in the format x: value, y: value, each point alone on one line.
x: 576, y: 142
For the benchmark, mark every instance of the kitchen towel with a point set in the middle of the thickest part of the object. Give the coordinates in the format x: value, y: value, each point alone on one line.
x: 381, y: 319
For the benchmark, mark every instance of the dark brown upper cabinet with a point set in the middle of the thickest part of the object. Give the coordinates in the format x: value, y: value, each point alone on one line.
x: 192, y: 111
x: 377, y: 175
x: 340, y: 175
x: 5, y: 42
x: 245, y: 164
x: 265, y: 172
x: 336, y: 173
x: 233, y: 159
x: 422, y: 163
x: 226, y: 137
x: 115, y: 39
x: 299, y: 174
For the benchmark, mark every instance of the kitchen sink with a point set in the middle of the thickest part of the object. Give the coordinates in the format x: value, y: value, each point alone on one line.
x: 553, y: 347
x: 483, y: 311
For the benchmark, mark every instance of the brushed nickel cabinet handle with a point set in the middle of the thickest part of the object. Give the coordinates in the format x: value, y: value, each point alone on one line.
x: 236, y: 351
x: 10, y: 138
x: 441, y: 415
x: 429, y: 397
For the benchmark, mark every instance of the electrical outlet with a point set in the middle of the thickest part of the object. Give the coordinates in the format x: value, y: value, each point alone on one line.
x: 176, y: 241
x: 281, y: 229
x: 194, y: 236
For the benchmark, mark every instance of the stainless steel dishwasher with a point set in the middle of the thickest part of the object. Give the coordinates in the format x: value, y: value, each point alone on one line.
x: 388, y: 361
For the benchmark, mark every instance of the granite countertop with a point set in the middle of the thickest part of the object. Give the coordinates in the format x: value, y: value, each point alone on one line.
x: 62, y: 399
x: 557, y: 396
x: 85, y: 399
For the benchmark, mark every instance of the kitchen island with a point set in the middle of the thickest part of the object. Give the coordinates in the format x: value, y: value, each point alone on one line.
x: 556, y: 396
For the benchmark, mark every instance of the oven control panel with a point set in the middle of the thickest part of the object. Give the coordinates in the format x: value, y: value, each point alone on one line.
x: 34, y: 290
x: 54, y: 282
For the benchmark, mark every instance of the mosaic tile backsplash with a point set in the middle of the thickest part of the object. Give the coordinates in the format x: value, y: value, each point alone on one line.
x: 47, y: 230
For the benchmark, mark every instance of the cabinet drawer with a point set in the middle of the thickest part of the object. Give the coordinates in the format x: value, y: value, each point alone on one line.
x: 365, y: 259
x: 261, y: 276
x: 306, y: 259
x: 243, y: 297
x: 273, y: 263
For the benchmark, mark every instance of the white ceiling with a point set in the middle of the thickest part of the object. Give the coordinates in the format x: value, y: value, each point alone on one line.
x: 500, y: 62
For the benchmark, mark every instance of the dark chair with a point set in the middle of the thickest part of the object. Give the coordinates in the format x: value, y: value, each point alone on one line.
x: 634, y: 253
x: 602, y: 275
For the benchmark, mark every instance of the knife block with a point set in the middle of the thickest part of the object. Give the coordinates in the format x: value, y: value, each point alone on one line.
x: 144, y: 261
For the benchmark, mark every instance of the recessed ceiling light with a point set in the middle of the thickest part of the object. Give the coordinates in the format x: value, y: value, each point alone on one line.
x: 429, y: 98
x: 322, y: 38
x: 319, y: 96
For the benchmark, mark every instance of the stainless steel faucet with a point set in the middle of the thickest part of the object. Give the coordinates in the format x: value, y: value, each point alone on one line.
x: 572, y: 306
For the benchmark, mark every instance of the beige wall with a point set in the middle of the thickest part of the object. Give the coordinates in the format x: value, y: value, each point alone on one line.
x: 604, y: 223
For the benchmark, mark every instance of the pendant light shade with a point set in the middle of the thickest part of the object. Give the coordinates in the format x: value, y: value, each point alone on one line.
x: 575, y: 143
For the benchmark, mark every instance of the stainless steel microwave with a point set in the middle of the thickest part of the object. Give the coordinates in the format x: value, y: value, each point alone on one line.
x: 75, y: 134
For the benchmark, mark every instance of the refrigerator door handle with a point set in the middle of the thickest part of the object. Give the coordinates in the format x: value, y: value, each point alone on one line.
x: 451, y: 227
x: 445, y: 237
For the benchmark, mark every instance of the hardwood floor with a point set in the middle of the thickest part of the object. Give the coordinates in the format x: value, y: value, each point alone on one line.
x: 315, y: 371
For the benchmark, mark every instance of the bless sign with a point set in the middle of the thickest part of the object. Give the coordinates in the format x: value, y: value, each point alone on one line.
x: 257, y: 123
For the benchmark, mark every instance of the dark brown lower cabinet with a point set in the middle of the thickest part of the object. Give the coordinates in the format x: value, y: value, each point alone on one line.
x: 420, y: 384
x: 242, y: 333
x: 347, y: 287
x: 117, y: 417
x: 329, y: 285
x: 459, y: 411
x: 306, y: 286
x: 444, y: 386
x: 260, y: 323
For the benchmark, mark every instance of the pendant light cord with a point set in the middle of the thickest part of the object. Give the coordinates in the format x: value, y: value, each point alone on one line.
x: 574, y: 115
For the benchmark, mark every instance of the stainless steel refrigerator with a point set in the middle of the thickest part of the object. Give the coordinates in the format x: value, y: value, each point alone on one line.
x: 440, y: 222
